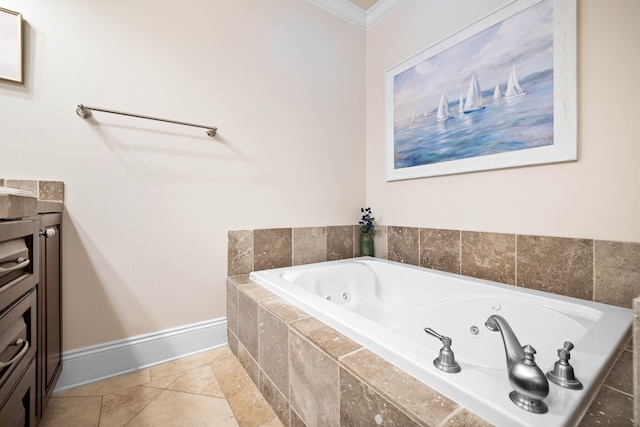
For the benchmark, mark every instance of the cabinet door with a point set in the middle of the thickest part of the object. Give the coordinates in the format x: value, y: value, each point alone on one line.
x: 50, y: 306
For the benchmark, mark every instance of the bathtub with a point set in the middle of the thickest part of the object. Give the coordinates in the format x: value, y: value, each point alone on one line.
x: 385, y: 306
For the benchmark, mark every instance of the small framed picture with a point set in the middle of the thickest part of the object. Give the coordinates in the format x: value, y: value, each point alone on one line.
x: 10, y: 46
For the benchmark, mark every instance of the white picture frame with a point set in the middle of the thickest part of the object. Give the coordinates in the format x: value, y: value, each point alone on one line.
x: 11, y: 46
x: 537, y: 37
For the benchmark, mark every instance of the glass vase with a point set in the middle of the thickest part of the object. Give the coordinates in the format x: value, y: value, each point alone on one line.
x: 366, y: 244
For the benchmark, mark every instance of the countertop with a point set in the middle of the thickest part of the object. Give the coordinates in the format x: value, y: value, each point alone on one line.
x: 25, y: 198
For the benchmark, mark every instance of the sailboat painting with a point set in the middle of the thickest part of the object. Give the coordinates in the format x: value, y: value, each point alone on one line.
x: 515, y: 107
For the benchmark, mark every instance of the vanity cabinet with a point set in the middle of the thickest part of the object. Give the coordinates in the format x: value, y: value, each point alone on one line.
x: 19, y: 272
x: 50, y: 312
x: 30, y: 317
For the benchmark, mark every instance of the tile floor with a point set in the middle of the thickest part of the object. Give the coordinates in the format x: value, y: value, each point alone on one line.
x: 208, y: 389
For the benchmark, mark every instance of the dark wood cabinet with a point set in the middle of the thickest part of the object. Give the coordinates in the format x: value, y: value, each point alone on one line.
x: 19, y: 273
x: 50, y: 309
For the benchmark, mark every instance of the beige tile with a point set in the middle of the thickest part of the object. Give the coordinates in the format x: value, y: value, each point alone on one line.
x: 328, y: 339
x: 233, y: 342
x: 239, y: 280
x: 239, y: 252
x: 283, y: 310
x: 621, y: 376
x: 556, y: 264
x: 309, y: 245
x: 248, y: 323
x: 185, y: 410
x: 273, y: 351
x: 249, y: 364
x: 440, y: 249
x: 489, y: 256
x: 119, y: 408
x: 200, y: 380
x: 339, y: 242
x: 162, y: 383
x: 243, y: 396
x: 609, y: 408
x: 296, y: 421
x: 275, y: 399
x: 226, y: 360
x: 404, y: 244
x: 232, y: 307
x: 617, y: 272
x: 420, y: 401
x: 51, y: 190
x: 72, y: 411
x: 255, y: 291
x: 464, y: 418
x: 21, y: 184
x: 111, y: 385
x: 314, y: 384
x: 360, y: 405
x: 184, y: 365
x: 272, y: 248
x: 275, y: 422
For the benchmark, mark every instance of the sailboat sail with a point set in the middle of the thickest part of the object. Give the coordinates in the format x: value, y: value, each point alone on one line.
x: 497, y: 93
x: 461, y: 104
x: 474, y: 96
x: 513, y: 87
x: 443, y: 109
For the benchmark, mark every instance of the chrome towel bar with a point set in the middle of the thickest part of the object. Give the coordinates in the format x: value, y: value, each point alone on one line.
x: 84, y: 111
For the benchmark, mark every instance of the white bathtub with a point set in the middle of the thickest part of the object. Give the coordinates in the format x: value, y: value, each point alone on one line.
x: 385, y: 306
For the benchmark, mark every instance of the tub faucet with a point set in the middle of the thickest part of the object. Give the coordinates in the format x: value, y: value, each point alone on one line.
x: 529, y: 383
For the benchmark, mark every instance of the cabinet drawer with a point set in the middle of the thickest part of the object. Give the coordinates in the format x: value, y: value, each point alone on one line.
x: 19, y: 408
x: 18, y: 259
x: 17, y: 339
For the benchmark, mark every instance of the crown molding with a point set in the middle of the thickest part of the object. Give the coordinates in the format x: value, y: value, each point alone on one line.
x: 356, y: 16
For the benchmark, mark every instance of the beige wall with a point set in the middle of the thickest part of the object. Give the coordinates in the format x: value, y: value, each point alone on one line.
x: 149, y: 204
x: 595, y: 197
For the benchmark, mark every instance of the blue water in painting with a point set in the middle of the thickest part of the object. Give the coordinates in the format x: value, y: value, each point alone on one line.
x: 518, y: 123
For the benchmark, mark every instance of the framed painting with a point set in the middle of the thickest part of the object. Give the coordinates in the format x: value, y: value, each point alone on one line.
x: 501, y: 93
x: 10, y: 46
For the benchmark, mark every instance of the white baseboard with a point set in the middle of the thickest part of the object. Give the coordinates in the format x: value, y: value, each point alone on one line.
x: 98, y: 362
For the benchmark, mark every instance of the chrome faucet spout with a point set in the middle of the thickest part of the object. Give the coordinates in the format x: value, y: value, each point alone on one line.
x: 512, y: 348
x: 529, y: 383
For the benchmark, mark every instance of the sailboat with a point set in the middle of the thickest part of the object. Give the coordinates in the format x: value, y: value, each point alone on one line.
x: 474, y: 96
x: 413, y: 117
x: 513, y: 87
x: 497, y: 93
x: 461, y: 104
x: 443, y: 109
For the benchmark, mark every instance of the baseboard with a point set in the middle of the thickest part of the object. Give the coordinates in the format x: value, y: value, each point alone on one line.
x: 98, y: 362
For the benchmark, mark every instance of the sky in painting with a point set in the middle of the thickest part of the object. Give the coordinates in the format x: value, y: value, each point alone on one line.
x: 524, y: 40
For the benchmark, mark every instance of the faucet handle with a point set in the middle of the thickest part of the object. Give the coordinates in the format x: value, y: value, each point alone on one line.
x: 562, y: 373
x: 446, y: 359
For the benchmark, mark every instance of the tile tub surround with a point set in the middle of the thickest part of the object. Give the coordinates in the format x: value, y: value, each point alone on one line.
x: 311, y: 375
x: 597, y: 270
